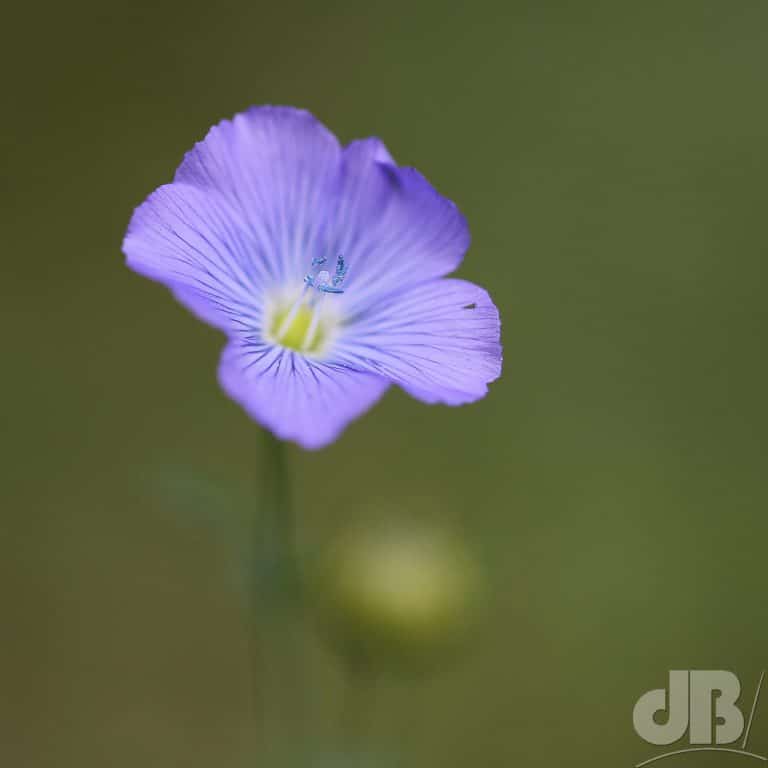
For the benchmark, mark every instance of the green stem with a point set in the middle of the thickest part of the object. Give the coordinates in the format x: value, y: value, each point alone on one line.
x: 277, y: 593
x: 279, y: 532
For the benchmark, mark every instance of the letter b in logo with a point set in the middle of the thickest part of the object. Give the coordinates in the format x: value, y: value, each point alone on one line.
x: 705, y: 700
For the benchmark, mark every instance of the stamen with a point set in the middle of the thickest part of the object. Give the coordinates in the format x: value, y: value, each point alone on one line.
x: 300, y: 328
x: 341, y: 271
x: 309, y: 339
x: 291, y: 314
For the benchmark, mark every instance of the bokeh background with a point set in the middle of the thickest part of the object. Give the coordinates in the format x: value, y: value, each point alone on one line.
x: 611, y: 158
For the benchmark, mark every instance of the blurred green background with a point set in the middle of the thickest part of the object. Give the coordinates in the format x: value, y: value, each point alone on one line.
x: 611, y: 158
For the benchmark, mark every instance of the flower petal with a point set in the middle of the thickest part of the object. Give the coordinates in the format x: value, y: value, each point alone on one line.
x: 297, y: 196
x: 277, y: 167
x: 438, y: 340
x: 296, y: 398
x: 196, y: 244
x: 393, y: 228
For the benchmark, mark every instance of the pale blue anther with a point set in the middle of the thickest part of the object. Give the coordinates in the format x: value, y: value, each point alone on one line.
x: 341, y: 271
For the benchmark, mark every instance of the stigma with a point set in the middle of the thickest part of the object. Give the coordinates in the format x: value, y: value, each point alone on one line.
x: 305, y: 325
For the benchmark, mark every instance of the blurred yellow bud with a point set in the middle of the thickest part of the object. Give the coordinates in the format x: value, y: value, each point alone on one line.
x: 397, y: 591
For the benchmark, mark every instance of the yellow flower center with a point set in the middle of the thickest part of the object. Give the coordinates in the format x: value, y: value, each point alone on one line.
x: 298, y: 334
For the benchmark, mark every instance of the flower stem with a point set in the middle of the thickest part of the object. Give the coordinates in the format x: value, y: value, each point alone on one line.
x: 277, y: 593
x: 279, y: 533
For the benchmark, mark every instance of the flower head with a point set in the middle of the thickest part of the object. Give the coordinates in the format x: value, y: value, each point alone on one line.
x: 324, y: 266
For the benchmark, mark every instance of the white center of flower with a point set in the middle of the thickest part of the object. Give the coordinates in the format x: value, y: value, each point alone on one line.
x: 306, y: 323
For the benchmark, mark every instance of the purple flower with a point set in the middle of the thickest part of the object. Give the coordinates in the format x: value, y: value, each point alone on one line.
x: 324, y: 266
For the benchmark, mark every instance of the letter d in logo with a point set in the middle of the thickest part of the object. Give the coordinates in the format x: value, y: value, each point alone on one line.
x: 652, y: 702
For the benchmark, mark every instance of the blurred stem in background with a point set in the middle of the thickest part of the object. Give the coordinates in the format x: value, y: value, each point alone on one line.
x: 394, y: 597
x: 358, y: 699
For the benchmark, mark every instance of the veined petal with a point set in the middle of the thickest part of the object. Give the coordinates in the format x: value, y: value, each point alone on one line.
x: 296, y: 398
x: 439, y: 341
x: 277, y: 167
x: 196, y: 244
x: 393, y: 228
